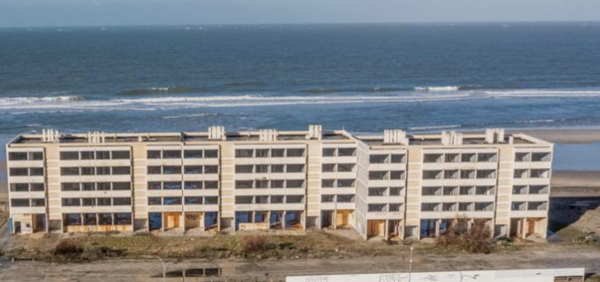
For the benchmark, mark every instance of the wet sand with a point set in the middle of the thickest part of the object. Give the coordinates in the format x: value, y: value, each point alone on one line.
x: 565, y: 136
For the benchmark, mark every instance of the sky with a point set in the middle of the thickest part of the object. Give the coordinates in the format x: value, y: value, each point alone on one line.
x: 34, y: 13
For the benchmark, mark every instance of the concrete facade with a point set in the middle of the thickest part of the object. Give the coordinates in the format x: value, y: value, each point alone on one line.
x: 390, y: 185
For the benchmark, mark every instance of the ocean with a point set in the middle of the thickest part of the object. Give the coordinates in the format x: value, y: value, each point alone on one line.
x: 363, y: 78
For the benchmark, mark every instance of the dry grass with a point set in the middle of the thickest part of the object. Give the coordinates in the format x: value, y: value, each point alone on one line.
x: 476, y: 240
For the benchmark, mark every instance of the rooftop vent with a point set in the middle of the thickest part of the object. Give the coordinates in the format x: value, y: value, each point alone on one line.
x: 216, y: 133
x: 50, y: 135
x: 96, y: 137
x: 395, y: 136
x: 315, y: 132
x: 452, y: 138
x: 494, y: 135
x: 268, y: 135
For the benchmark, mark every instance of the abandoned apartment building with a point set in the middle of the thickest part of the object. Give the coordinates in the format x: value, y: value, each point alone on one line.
x: 390, y: 185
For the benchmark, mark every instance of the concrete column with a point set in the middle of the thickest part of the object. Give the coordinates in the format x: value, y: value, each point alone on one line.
x: 283, y: 214
x: 386, y: 231
x: 437, y: 228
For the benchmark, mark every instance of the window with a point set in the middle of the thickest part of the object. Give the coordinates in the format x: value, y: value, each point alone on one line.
x: 37, y: 187
x: 103, y: 201
x: 538, y: 190
x: 377, y: 192
x: 69, y: 155
x: 69, y: 171
x: 154, y: 201
x: 519, y: 190
x: 262, y: 153
x: 277, y: 199
x: 449, y: 206
x: 328, y: 183
x: 262, y: 168
x: 17, y: 156
x: 432, y: 158
x: 122, y: 218
x: 72, y: 219
x: 88, y: 171
x: 539, y: 173
x: 536, y: 206
x: 154, y: 170
x: 211, y: 200
x: 328, y: 152
x: 277, y: 168
x: 154, y: 185
x: 522, y: 157
x: 484, y: 206
x: 193, y: 200
x: 294, y: 184
x: 378, y: 159
x: 277, y: 184
x: 211, y: 169
x: 541, y: 157
x: 378, y: 175
x: 121, y: 155
x: 88, y: 202
x: 103, y: 186
x: 89, y: 219
x: 36, y: 156
x: 486, y: 174
x: 450, y: 191
x: 70, y: 186
x: 125, y: 201
x: 19, y: 202
x: 327, y: 198
x: 465, y: 206
x: 193, y: 185
x: 328, y: 168
x: 294, y: 199
x: 211, y: 154
x: 398, y: 159
x: 452, y: 158
x: 397, y: 175
x: 518, y: 206
x: 431, y: 191
x: 432, y: 174
x: 244, y: 153
x: 295, y: 152
x: 395, y: 191
x: 121, y: 186
x: 105, y: 219
x: 278, y: 153
x: 244, y: 168
x: 243, y: 200
x: 103, y: 155
x: 243, y: 184
x: 19, y: 172
x: 345, y: 167
x: 468, y: 158
x: 346, y: 183
x: 346, y: 152
x: 197, y: 169
x: 19, y: 187
x: 484, y: 190
x: 71, y: 202
x: 36, y: 171
x: 521, y: 173
x: 261, y: 184
x: 467, y: 174
x: 261, y: 200
x: 172, y: 185
x: 171, y: 170
x: 295, y: 168
x: 153, y: 154
x: 88, y: 186
x: 345, y: 198
x: 121, y: 170
x: 87, y: 155
x: 395, y: 207
x: 377, y: 207
x: 451, y: 174
x: 467, y: 190
x: 192, y: 154
x: 171, y: 154
x: 103, y: 170
x: 211, y: 184
x: 487, y: 157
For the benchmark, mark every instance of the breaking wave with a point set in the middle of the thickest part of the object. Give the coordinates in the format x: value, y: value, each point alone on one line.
x: 156, y: 90
x: 437, y: 88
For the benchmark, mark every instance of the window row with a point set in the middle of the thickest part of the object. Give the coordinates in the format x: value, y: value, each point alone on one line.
x: 41, y: 202
x: 95, y: 186
x: 387, y: 175
x: 339, y: 152
x: 349, y: 198
x: 73, y: 219
x: 177, y: 185
x: 460, y: 158
x: 460, y: 174
x: 458, y: 190
x: 531, y: 189
x: 529, y: 206
x: 170, y: 201
x: 338, y: 183
x: 274, y: 168
x: 194, y: 169
x: 92, y: 202
x: 100, y: 170
x: 338, y: 167
x: 387, y: 159
x: 465, y: 207
x: 533, y: 157
x: 274, y: 184
x: 187, y: 154
x: 95, y: 155
x: 267, y: 153
x: 24, y: 171
x: 27, y: 187
x: 532, y: 173
x: 385, y: 191
x: 392, y: 207
x: 25, y: 156
x: 276, y: 199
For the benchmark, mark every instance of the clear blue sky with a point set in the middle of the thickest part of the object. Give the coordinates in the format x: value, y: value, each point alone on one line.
x: 159, y: 12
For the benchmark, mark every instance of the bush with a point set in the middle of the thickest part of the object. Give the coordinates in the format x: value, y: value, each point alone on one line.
x: 475, y: 240
x: 67, y: 247
x: 253, y: 244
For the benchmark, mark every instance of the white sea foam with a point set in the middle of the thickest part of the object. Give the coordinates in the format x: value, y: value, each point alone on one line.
x: 542, y: 93
x: 437, y: 88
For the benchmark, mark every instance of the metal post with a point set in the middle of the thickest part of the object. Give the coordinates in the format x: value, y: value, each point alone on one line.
x: 163, y: 266
x: 410, y: 261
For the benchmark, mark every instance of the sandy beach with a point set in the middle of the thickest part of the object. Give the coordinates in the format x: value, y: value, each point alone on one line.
x: 565, y: 136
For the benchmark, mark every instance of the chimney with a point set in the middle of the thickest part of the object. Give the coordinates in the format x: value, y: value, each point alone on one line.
x: 395, y: 136
x: 315, y: 132
x: 268, y: 135
x: 216, y: 133
x: 452, y: 138
x: 494, y: 135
